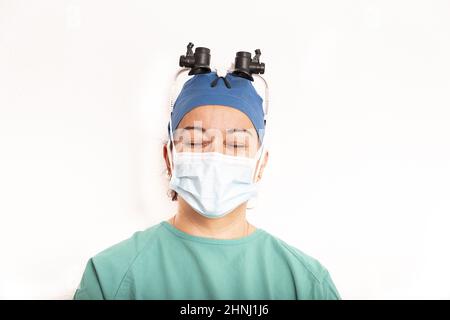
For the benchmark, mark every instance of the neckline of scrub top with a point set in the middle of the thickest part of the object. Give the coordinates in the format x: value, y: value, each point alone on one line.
x: 208, y: 240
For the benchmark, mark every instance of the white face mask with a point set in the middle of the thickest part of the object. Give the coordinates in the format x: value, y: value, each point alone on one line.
x: 212, y: 183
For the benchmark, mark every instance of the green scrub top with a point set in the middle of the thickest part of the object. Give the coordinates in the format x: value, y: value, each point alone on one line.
x: 163, y: 262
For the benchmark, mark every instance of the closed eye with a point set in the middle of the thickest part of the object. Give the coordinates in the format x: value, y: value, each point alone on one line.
x: 196, y: 144
x: 235, y: 146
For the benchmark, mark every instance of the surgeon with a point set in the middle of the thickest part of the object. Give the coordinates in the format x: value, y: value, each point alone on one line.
x: 215, y: 158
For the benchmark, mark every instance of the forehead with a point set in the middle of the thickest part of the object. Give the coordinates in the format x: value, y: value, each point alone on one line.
x: 218, y: 117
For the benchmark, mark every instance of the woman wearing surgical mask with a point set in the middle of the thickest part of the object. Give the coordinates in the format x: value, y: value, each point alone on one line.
x: 215, y: 158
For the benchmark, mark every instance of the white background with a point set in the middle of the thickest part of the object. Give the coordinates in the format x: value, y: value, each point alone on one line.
x: 358, y: 175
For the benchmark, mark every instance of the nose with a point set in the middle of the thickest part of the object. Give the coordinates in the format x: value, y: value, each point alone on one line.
x: 216, y: 138
x: 217, y: 143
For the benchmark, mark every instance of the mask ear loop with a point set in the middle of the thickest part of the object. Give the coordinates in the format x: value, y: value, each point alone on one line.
x: 251, y: 204
x: 258, y: 160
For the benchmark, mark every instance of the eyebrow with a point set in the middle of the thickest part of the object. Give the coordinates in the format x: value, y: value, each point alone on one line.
x: 239, y: 130
x: 194, y: 128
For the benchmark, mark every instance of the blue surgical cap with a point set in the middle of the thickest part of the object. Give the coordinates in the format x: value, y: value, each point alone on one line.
x: 210, y: 89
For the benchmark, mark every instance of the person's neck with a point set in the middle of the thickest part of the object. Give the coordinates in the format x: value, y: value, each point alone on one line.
x: 232, y: 226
